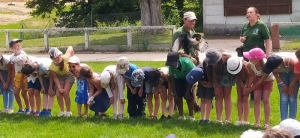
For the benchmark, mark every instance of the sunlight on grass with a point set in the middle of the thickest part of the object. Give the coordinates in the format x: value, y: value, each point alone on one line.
x: 92, y: 127
x: 293, y: 45
x: 6, y: 12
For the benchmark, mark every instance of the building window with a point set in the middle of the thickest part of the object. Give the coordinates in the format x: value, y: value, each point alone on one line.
x: 239, y: 7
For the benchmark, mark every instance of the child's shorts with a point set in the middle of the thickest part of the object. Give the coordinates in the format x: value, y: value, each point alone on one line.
x: 46, y: 81
x: 69, y: 77
x: 17, y: 81
x: 36, y: 85
x: 148, y: 88
x: 205, y: 93
x: 265, y: 86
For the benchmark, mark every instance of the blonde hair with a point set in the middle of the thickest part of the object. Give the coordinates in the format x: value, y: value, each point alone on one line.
x: 277, y: 133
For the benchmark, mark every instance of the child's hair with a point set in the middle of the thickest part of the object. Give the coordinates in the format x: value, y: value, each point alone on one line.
x: 86, y: 72
x: 297, y: 53
x: 27, y: 69
x: 218, y: 69
x: 277, y: 133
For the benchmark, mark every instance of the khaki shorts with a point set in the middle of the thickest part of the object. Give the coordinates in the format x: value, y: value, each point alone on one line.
x: 17, y: 81
x: 66, y: 78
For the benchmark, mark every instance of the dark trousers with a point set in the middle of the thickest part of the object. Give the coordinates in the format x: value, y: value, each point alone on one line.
x: 136, y: 104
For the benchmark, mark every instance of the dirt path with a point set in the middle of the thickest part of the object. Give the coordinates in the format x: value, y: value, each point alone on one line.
x: 12, y: 14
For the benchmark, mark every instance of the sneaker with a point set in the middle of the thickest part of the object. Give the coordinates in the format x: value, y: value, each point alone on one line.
x: 207, y: 121
x: 31, y: 112
x: 266, y: 126
x: 42, y: 113
x: 226, y: 122
x: 201, y: 121
x: 219, y: 122
x: 191, y: 118
x: 21, y: 111
x: 103, y: 116
x: 27, y: 111
x: 68, y: 114
x: 47, y: 113
x: 163, y: 117
x: 246, y: 123
x: 85, y: 116
x: 181, y: 117
x: 238, y: 123
x: 61, y: 114
x: 169, y: 117
x: 115, y: 116
x: 4, y: 110
x: 9, y: 111
x: 78, y: 115
x: 120, y: 116
x: 37, y: 113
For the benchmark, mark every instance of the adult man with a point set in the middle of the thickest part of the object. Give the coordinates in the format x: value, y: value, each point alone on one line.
x: 179, y: 67
x: 189, y: 20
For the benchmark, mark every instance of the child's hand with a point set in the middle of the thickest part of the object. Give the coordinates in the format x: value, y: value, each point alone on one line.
x: 5, y: 86
x: 43, y: 90
x: 134, y: 91
x: 51, y: 92
x: 61, y: 90
x: 140, y: 92
x: 90, y: 100
x: 122, y: 101
x: 111, y: 100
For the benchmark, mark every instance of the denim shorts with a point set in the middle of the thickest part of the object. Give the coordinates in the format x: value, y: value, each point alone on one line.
x: 148, y: 88
x: 36, y: 85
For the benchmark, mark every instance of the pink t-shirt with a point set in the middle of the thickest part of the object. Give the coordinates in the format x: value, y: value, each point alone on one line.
x: 297, y: 68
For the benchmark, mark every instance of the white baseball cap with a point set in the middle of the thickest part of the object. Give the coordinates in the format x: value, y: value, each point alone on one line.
x: 290, y: 125
x: 74, y: 60
x: 105, y: 79
x: 189, y: 16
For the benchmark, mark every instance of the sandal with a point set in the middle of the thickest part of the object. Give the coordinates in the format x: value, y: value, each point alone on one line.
x: 257, y: 125
x: 266, y: 126
x: 103, y: 116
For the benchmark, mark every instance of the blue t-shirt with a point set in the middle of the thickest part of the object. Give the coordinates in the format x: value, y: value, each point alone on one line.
x: 82, y: 85
x: 132, y: 67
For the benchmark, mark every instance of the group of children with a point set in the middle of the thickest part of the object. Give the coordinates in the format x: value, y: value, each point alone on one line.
x: 215, y: 77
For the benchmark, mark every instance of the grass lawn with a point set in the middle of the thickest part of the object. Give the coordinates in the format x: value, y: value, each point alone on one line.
x: 292, y: 45
x: 17, y: 125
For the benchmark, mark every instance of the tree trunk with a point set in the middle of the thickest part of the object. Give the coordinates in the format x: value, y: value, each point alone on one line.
x: 179, y: 4
x: 145, y: 12
x: 151, y: 12
x: 156, y: 17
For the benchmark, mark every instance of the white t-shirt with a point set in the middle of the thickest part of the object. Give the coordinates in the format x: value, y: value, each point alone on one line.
x: 17, y: 61
x: 119, y: 80
x: 32, y: 59
x: 6, y: 59
x: 44, y: 64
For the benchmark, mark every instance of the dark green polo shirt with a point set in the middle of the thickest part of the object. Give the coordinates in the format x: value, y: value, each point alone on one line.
x: 181, y: 31
x: 186, y: 66
x: 255, y: 35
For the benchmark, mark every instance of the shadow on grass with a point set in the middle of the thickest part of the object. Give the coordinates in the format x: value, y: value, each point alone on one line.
x: 208, y: 129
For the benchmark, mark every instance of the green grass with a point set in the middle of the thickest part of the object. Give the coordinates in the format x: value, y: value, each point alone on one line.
x: 17, y: 125
x: 292, y: 45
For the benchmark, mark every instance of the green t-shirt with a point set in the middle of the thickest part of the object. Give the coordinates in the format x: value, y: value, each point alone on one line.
x: 255, y: 35
x: 186, y: 66
x: 181, y: 31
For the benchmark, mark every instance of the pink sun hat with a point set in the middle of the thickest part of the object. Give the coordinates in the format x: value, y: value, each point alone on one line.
x: 255, y: 53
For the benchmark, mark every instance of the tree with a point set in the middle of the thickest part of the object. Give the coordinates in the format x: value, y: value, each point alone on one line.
x: 151, y: 13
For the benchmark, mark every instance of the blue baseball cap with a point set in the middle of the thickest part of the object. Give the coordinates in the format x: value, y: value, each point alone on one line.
x: 272, y: 63
x: 13, y: 41
x: 194, y: 75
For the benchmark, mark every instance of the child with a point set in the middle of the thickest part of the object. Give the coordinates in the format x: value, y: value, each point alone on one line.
x: 19, y: 80
x: 6, y: 69
x: 114, y: 85
x: 261, y: 82
x: 82, y: 86
x: 34, y: 87
x: 165, y: 93
x: 238, y: 67
x: 136, y: 104
x: 47, y: 84
x: 144, y: 81
x: 222, y: 81
x: 288, y: 85
x: 62, y: 78
x: 179, y: 67
x: 98, y: 98
x: 205, y: 92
